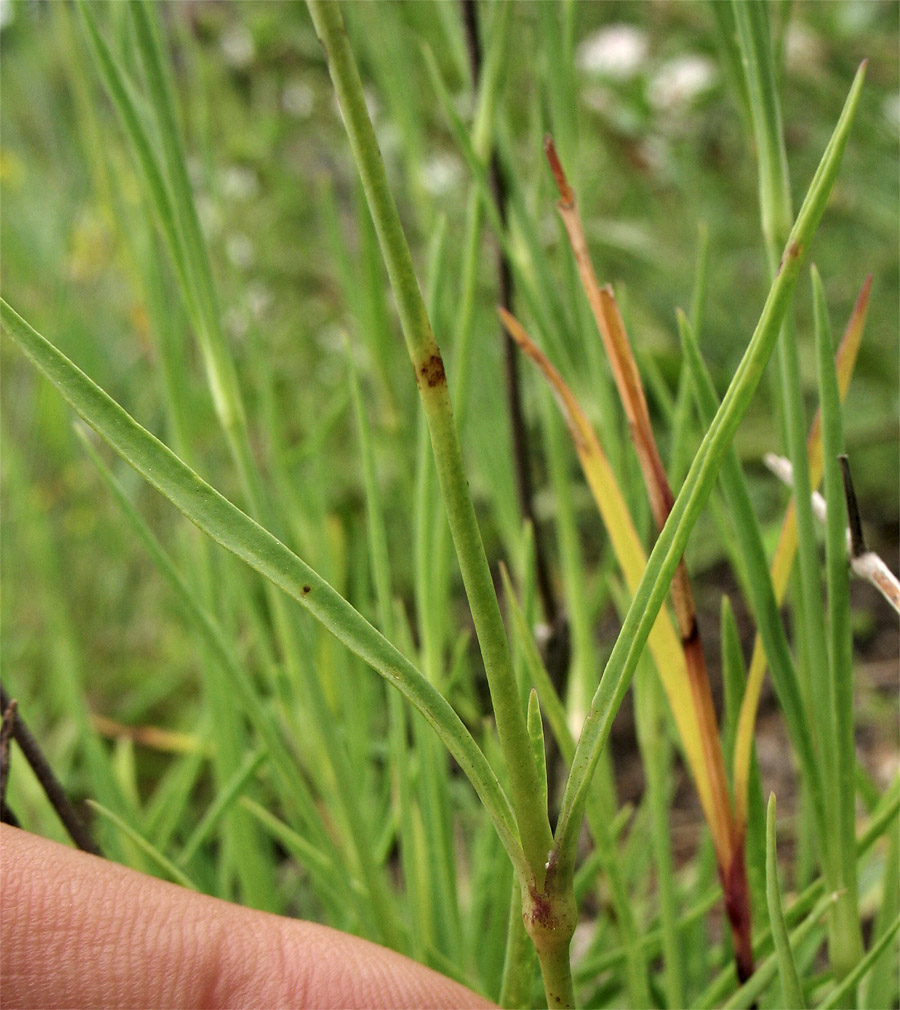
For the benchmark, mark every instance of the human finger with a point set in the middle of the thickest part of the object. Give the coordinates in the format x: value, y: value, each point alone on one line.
x: 79, y: 931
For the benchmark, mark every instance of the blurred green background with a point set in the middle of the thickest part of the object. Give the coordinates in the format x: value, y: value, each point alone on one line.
x: 661, y: 150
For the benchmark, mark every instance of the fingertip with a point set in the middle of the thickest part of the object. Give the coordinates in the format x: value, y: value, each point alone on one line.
x: 81, y: 931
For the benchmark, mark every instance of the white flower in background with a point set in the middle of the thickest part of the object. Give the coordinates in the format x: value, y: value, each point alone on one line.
x: 440, y: 173
x: 854, y: 17
x: 239, y: 182
x: 679, y: 81
x: 803, y: 50
x: 6, y: 13
x: 236, y: 321
x: 209, y: 214
x: 239, y: 250
x: 890, y: 109
x: 237, y: 46
x: 617, y: 52
x: 259, y: 299
x: 196, y: 171
x: 373, y: 105
x: 298, y: 99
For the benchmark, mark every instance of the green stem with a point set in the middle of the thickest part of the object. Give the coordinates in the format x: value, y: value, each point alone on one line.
x: 846, y: 948
x: 550, y: 920
x: 518, y: 964
x: 790, y: 981
x: 830, y: 713
x: 531, y: 817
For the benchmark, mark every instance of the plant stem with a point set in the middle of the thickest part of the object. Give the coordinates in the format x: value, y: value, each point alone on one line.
x: 520, y: 443
x: 532, y: 820
x: 550, y: 920
x: 51, y: 785
x: 845, y: 941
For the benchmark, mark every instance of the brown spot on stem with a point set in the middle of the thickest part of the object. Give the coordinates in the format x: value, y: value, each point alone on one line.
x: 432, y: 371
x: 307, y: 589
x: 793, y: 252
x: 540, y: 911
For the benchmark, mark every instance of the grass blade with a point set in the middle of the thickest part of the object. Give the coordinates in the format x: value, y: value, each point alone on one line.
x: 839, y: 995
x: 663, y: 641
x: 238, y: 533
x: 790, y: 981
x: 229, y: 795
x: 656, y: 755
x: 776, y: 648
x: 882, y: 820
x: 293, y: 791
x: 156, y: 857
x: 697, y: 487
x: 729, y: 845
x: 847, y: 950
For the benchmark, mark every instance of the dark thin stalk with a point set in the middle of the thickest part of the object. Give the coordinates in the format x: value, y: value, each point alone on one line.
x: 857, y: 540
x: 49, y: 782
x: 6, y: 728
x: 520, y: 441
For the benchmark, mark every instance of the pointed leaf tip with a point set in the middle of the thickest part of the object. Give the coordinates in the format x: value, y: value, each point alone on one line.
x: 566, y: 196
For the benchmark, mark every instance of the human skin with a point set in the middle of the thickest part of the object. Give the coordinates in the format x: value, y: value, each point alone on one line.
x: 79, y: 931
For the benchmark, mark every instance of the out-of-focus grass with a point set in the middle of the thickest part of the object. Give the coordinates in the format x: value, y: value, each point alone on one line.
x: 263, y: 129
x: 661, y: 149
x: 261, y: 124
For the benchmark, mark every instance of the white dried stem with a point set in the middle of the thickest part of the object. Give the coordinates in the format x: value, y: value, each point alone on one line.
x: 866, y: 564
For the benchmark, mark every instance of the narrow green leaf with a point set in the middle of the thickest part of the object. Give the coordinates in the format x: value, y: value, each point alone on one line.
x: 811, y: 926
x: 787, y: 969
x: 701, y: 281
x: 754, y: 41
x: 882, y: 820
x: 518, y: 962
x: 379, y: 555
x: 838, y: 996
x: 238, y: 533
x: 219, y: 363
x: 337, y: 891
x: 150, y: 850
x: 840, y: 647
x: 219, y: 807
x: 734, y: 676
x: 880, y: 986
x: 549, y: 699
x: 547, y: 308
x: 723, y: 14
x: 536, y: 735
x: 128, y: 105
x: 656, y: 756
x: 492, y: 78
x: 293, y: 791
x: 652, y: 942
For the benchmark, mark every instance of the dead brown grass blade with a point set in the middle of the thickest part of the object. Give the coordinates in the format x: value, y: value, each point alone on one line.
x: 631, y: 392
